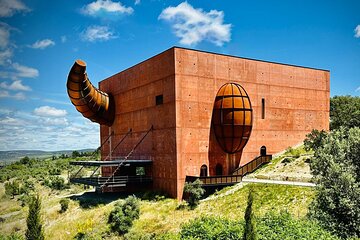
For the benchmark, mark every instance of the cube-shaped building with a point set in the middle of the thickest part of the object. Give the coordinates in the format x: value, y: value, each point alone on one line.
x: 170, y: 98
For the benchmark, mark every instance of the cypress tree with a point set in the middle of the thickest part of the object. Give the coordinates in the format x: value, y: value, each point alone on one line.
x: 34, y: 227
x: 250, y: 224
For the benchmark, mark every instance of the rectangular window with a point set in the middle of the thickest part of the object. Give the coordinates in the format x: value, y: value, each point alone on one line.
x: 263, y: 108
x: 159, y: 99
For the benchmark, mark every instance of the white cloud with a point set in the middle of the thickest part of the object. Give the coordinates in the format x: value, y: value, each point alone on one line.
x: 10, y: 7
x: 42, y: 44
x: 358, y: 89
x: 47, y: 111
x: 100, y: 7
x: 10, y: 121
x: 357, y: 31
x: 57, y: 133
x: 137, y: 2
x: 4, y: 94
x: 4, y: 35
x: 24, y: 71
x: 15, y: 86
x: 97, y: 33
x: 55, y: 121
x: 195, y: 25
x: 17, y: 96
x: 5, y: 56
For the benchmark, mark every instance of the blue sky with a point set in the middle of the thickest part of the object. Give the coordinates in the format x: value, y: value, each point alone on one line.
x: 40, y: 40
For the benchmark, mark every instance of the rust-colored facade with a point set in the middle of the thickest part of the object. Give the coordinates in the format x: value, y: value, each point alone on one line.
x: 175, y: 92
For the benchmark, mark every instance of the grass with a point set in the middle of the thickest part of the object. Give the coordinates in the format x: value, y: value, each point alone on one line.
x: 157, y: 217
x: 291, y: 166
x: 163, y: 216
x: 88, y: 213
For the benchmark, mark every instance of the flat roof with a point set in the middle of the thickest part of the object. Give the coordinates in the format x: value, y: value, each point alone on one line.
x: 110, y: 163
x: 253, y: 59
x: 221, y: 54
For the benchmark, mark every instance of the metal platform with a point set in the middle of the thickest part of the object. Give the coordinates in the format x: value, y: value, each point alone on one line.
x: 132, y: 162
x: 116, y: 181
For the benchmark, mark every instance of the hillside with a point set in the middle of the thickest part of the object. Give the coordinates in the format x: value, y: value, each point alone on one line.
x: 15, y: 155
x: 292, y: 165
x: 160, y: 217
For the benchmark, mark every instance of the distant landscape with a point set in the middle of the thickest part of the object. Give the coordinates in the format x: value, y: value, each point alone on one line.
x: 7, y: 157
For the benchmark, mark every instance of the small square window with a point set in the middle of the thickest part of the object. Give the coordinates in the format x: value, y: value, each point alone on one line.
x: 140, y: 171
x: 159, y: 99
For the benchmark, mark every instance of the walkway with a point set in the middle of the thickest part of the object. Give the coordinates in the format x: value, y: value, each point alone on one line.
x: 255, y: 180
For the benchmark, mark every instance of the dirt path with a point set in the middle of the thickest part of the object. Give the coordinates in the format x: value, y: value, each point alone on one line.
x: 75, y: 194
x: 255, y: 180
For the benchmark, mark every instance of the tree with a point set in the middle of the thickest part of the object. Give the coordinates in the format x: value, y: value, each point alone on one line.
x: 250, y: 224
x: 12, y: 188
x: 57, y: 183
x: 344, y: 111
x: 336, y: 170
x: 314, y: 139
x: 25, y: 160
x: 195, y: 192
x: 64, y: 205
x: 34, y: 227
x: 123, y: 215
x: 75, y: 154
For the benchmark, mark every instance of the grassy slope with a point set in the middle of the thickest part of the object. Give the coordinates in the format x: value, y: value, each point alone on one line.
x: 159, y: 217
x: 156, y: 216
x: 291, y: 166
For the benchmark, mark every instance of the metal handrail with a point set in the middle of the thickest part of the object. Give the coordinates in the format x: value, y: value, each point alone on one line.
x: 237, y: 174
x: 126, y: 158
x: 252, y: 165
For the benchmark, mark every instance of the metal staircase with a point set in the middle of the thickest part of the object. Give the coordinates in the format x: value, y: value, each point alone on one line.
x: 113, y: 180
x: 237, y: 175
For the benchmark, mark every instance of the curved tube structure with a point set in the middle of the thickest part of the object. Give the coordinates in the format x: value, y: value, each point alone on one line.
x: 92, y: 103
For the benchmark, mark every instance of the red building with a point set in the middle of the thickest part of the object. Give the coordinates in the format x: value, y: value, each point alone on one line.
x: 170, y: 97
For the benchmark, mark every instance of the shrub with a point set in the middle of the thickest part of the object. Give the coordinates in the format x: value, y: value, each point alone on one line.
x: 287, y: 160
x: 154, y: 196
x: 293, y: 152
x: 12, y: 188
x: 24, y: 199
x: 64, y: 204
x: 34, y: 227
x: 212, y: 228
x: 283, y: 226
x: 57, y: 183
x: 123, y: 215
x: 336, y: 170
x: 55, y: 171
x: 195, y: 192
